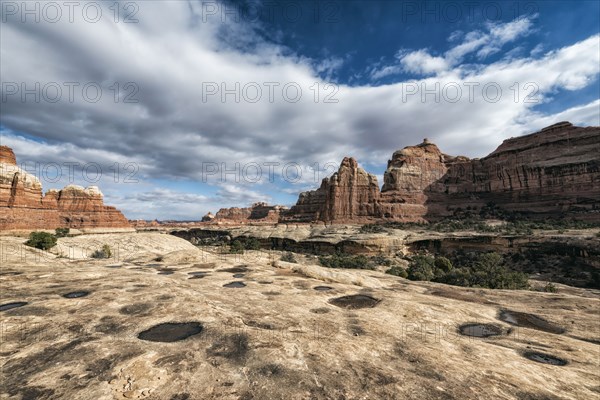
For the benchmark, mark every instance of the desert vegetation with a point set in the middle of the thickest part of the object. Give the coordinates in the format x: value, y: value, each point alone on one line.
x: 104, y: 252
x: 341, y: 260
x: 485, y: 270
x: 41, y: 240
x: 61, y: 232
x: 470, y: 219
x: 240, y: 244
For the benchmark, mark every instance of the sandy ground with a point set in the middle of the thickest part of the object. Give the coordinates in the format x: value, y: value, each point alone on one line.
x: 275, y: 338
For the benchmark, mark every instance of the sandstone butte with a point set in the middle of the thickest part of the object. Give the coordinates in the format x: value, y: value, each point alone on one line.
x: 551, y: 173
x: 23, y: 206
x: 258, y: 213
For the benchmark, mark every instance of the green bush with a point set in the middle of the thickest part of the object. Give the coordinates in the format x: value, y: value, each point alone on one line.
x: 345, y: 261
x: 41, y: 240
x: 380, y: 259
x: 62, y: 232
x: 421, y: 268
x: 236, y: 247
x: 105, y: 252
x: 397, y: 271
x: 486, y: 270
x: 243, y: 243
x: 457, y: 277
x: 550, y: 288
x: 514, y: 223
x: 443, y: 264
x: 251, y: 244
x: 289, y: 257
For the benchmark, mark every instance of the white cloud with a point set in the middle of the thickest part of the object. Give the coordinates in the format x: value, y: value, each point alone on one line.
x: 171, y: 132
x: 421, y: 62
x: 481, y: 43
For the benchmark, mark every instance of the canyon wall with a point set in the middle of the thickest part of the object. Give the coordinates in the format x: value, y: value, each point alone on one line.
x: 349, y: 195
x: 551, y: 173
x: 24, y: 206
x: 257, y: 213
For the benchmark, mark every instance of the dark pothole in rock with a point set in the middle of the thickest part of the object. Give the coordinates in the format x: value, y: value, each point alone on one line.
x: 10, y: 306
x: 322, y: 288
x: 236, y: 284
x: 480, y: 330
x: 76, y: 295
x: 355, y: 301
x: 236, y: 269
x: 532, y: 321
x: 544, y: 358
x: 197, y: 275
x: 171, y: 332
x: 238, y: 276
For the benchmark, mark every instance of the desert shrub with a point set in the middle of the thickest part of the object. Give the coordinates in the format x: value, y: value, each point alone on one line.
x: 236, y: 247
x: 244, y: 243
x: 289, y: 257
x: 397, y: 271
x: 345, y: 261
x: 61, y: 232
x: 550, y: 288
x: 251, y: 244
x: 372, y: 228
x: 105, y: 252
x: 489, y: 271
x: 514, y: 223
x: 457, y: 277
x: 380, y: 259
x: 421, y: 268
x: 41, y: 240
x: 486, y: 270
x: 442, y: 263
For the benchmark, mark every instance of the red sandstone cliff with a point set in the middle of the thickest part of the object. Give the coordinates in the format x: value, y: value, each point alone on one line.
x: 22, y: 205
x: 351, y: 194
x: 257, y: 213
x: 549, y: 173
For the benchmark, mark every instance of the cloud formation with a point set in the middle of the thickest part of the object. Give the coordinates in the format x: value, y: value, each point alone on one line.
x: 211, y: 91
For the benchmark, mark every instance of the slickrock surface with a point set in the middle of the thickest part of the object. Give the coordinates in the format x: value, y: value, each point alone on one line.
x: 276, y: 337
x: 23, y: 206
x: 551, y: 173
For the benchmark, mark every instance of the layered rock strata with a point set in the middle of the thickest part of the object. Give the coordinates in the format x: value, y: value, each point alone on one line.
x: 23, y: 205
x: 351, y: 194
x: 258, y: 213
x: 551, y: 173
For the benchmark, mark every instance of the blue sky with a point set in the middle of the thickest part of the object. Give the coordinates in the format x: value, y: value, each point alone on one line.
x: 375, y: 60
